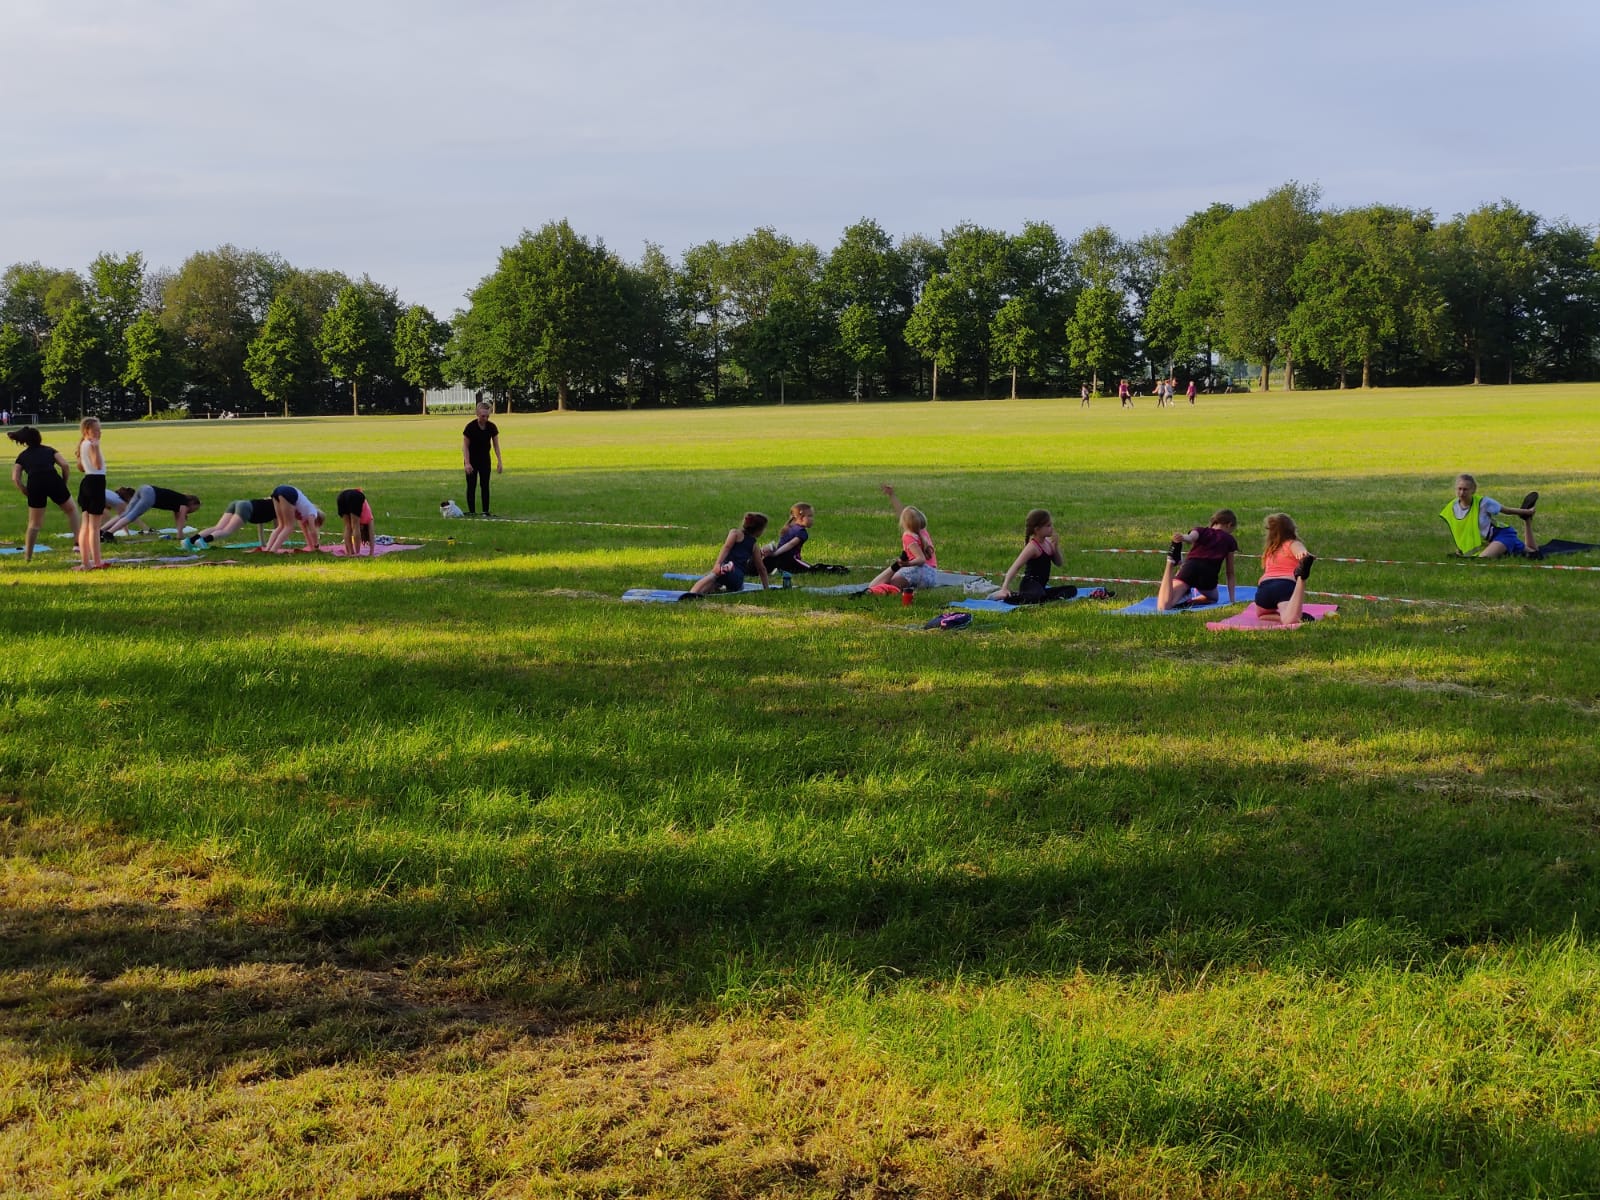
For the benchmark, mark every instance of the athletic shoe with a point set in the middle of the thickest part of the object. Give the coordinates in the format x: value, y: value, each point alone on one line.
x: 1175, y: 552
x: 1302, y: 569
x: 1100, y: 593
x: 1529, y: 500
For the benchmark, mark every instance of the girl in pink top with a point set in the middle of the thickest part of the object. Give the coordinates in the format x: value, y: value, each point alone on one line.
x: 1285, y: 567
x: 916, y: 566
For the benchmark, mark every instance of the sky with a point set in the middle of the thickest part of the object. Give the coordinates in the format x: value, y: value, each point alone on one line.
x: 410, y: 140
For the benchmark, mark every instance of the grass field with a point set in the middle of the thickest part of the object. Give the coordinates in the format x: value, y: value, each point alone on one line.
x: 449, y: 875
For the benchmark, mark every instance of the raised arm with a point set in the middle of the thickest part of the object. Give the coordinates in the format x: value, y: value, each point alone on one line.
x: 888, y: 490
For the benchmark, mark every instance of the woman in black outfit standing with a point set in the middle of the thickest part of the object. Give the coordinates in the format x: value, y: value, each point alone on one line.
x: 476, y: 439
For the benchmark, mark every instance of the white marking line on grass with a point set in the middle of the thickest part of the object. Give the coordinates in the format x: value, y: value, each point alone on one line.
x: 1392, y: 562
x: 1309, y: 592
x: 526, y: 521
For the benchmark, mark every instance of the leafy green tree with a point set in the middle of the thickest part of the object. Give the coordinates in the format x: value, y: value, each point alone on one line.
x: 934, y: 329
x: 34, y: 297
x: 1248, y: 260
x: 281, y: 360
x: 74, y: 356
x: 977, y: 275
x: 1012, y: 340
x: 861, y: 338
x: 149, y: 361
x: 1565, y: 302
x: 352, y: 342
x: 213, y: 306
x: 1362, y: 284
x: 1183, y: 313
x: 1045, y: 280
x: 1099, y: 338
x: 655, y: 329
x: 1485, y: 265
x: 701, y: 293
x: 21, y: 366
x: 551, y: 314
x: 116, y: 294
x: 773, y: 306
x: 419, y: 348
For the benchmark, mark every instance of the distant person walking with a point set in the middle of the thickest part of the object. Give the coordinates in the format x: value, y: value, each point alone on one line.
x: 1190, y: 391
x: 1125, y: 394
x: 1083, y: 396
x: 476, y: 440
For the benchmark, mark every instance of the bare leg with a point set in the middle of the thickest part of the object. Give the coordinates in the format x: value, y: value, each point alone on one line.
x: 35, y: 522
x: 1289, y: 611
x: 1169, y: 594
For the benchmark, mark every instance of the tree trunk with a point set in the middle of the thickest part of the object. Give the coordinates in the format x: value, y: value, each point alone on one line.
x: 1013, y: 381
x: 1366, y: 371
x: 1288, y: 371
x: 935, y: 395
x: 1266, y: 380
x: 780, y: 391
x: 1094, y: 383
x: 150, y: 403
x: 1477, y: 366
x: 286, y: 406
x: 355, y: 405
x: 561, y: 396
x: 1341, y: 374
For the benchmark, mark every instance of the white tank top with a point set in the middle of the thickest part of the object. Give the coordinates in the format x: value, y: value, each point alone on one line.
x: 83, y: 459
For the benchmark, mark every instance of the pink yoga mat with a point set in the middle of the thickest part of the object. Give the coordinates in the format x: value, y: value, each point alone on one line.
x: 1251, y: 618
x: 337, y: 549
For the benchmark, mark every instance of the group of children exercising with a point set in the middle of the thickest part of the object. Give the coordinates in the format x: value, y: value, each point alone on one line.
x: 1190, y: 579
x: 42, y: 474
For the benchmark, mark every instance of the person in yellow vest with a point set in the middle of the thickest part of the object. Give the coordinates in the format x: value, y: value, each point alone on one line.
x: 1471, y: 519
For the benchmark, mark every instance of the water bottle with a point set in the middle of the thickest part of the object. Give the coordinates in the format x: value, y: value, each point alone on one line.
x: 788, y: 579
x: 906, y: 597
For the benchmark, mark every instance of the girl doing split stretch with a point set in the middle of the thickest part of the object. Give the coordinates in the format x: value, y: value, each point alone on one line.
x: 1210, y: 549
x: 1040, y: 551
x: 1285, y: 567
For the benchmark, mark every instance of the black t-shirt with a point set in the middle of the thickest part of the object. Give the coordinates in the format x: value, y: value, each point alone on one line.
x: 168, y: 499
x: 478, y: 439
x: 36, y: 460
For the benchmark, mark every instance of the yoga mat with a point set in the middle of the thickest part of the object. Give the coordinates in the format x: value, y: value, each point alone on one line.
x: 1563, y: 546
x: 337, y: 549
x: 20, y: 550
x: 989, y: 605
x: 653, y: 595
x: 1147, y: 606
x: 1250, y: 618
x: 748, y: 585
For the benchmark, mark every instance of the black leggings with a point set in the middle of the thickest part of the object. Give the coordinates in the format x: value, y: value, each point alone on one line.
x: 480, y: 476
x: 1034, y: 593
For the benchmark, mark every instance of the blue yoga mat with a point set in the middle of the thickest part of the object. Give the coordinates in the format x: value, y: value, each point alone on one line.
x: 1147, y: 606
x: 653, y: 595
x: 748, y: 586
x: 987, y: 605
x: 19, y: 550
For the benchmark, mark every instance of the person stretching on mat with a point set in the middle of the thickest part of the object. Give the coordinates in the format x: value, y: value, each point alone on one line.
x: 739, y: 556
x: 1040, y: 550
x: 142, y: 500
x: 235, y: 517
x: 1210, y: 549
x: 917, y: 565
x: 46, y: 473
x: 1285, y: 567
x: 1472, y: 524
x: 476, y: 439
x: 353, y: 509
x: 91, y: 494
x: 293, y: 507
x: 784, y: 554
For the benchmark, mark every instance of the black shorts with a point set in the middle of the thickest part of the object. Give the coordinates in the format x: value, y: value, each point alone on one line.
x: 92, y: 495
x: 47, y: 488
x: 350, y: 502
x: 731, y: 580
x: 1200, y: 573
x: 1272, y: 592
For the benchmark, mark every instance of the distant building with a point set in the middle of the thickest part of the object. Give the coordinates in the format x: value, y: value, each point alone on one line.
x: 450, y: 399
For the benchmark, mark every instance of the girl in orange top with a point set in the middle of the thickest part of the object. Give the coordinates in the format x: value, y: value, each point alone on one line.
x: 1285, y: 567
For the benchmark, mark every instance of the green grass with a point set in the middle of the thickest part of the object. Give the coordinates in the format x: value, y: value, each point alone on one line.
x: 446, y: 874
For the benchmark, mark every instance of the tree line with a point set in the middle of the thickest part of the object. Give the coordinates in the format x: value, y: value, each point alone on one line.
x: 1369, y: 296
